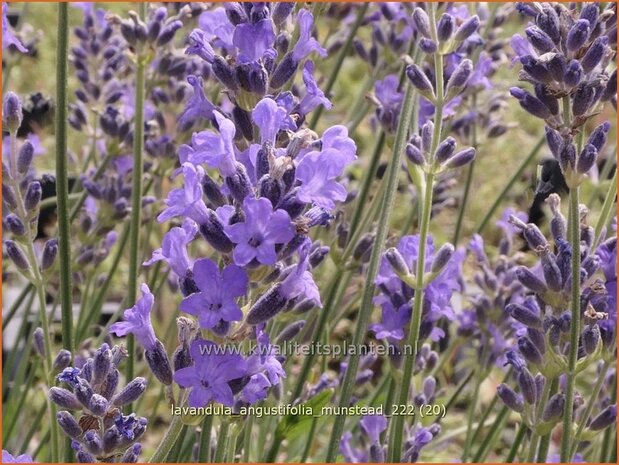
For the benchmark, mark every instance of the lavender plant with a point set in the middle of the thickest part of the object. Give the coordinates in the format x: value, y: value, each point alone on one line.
x: 271, y: 199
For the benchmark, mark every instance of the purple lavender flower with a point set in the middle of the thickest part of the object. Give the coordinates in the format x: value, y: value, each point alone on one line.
x: 174, y: 248
x: 198, y: 106
x: 137, y: 321
x: 306, y: 43
x: 8, y: 35
x: 187, y: 200
x: 389, y: 99
x: 314, y: 96
x: 374, y: 425
x: 208, y: 377
x: 270, y: 118
x: 253, y: 40
x: 256, y: 236
x: 7, y: 457
x: 265, y: 370
x: 218, y: 291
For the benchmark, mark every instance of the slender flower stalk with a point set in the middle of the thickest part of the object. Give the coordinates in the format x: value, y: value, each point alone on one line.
x: 136, y: 190
x: 368, y: 295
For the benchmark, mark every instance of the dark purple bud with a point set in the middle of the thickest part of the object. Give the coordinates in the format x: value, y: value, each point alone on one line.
x: 590, y: 338
x: 285, y: 71
x: 318, y: 256
x: 93, y: 442
x: 539, y: 39
x: 271, y: 189
x: 239, y: 184
x: 15, y: 225
x: 8, y: 196
x: 554, y: 408
x: 573, y: 73
x: 181, y: 358
x: 422, y: 22
x: 33, y: 196
x: 235, y: 13
x: 586, y: 159
x: 442, y: 257
x: 567, y: 157
x: 445, y: 149
x: 551, y: 271
x: 64, y: 398
x: 530, y: 281
x: 467, y: 29
x: 557, y: 67
x: 524, y: 315
x: 213, y: 232
x: 39, y: 341
x: 377, y: 453
x: 554, y: 141
x: 48, y: 257
x: 547, y: 98
x: 427, y: 132
x: 363, y: 248
x: 290, y: 332
x: 583, y: 99
x: 102, y: 362
x: 548, y: 21
x: 242, y: 120
x: 590, y: 12
x: 599, y: 135
x: 537, y: 338
x: 157, y: 360
x: 304, y: 306
x: 397, y: 262
x: 24, y: 157
x: 281, y: 11
x: 224, y: 73
x: 414, y: 155
x: 69, y: 424
x: 131, y: 454
x: 267, y: 306
x: 130, y: 393
x: 605, y: 419
x: 594, y: 55
x: 428, y: 46
x: 168, y: 32
x: 108, y: 388
x: 535, y: 68
x: 462, y: 158
x: 445, y: 27
x: 212, y: 191
x: 578, y: 35
x: 17, y: 255
x: 509, y: 397
x: 529, y: 351
x: 419, y: 79
x: 11, y: 112
x: 527, y: 385
x: 360, y: 50
x: 531, y: 104
x: 111, y: 439
x: 62, y: 360
x: 459, y: 78
x: 98, y: 405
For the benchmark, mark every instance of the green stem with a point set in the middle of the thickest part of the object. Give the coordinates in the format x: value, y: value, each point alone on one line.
x: 368, y: 295
x: 574, y: 227
x: 204, y: 454
x: 607, y: 211
x: 222, y: 442
x: 492, y: 436
x: 62, y: 181
x: 168, y: 441
x: 516, y: 444
x: 479, y: 371
x: 26, y: 291
x: 339, y: 61
x: 497, y: 202
x: 249, y: 425
x: 136, y: 194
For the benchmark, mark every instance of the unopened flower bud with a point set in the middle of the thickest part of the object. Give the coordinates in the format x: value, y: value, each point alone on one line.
x: 530, y: 281
x: 526, y: 382
x: 445, y: 150
x: 445, y: 27
x: 607, y: 417
x: 397, y: 262
x: 15, y: 225
x: 69, y: 424
x: 39, y: 341
x: 459, y: 78
x: 130, y: 393
x: 132, y: 453
x: 529, y: 351
x: 524, y: 315
x: 442, y: 257
x: 554, y: 408
x: 539, y: 39
x: 24, y: 157
x: 422, y: 22
x: 591, y: 338
x: 509, y: 397
x: 62, y: 360
x: 578, y: 35
x: 586, y: 159
x: 467, y: 29
x: 462, y: 158
x: 64, y: 398
x: 98, y: 405
x: 33, y: 196
x: 421, y: 82
x: 12, y: 112
x: 159, y: 363
x: 414, y: 155
x: 267, y: 306
x: 93, y: 442
x: 17, y: 255
x: 290, y: 332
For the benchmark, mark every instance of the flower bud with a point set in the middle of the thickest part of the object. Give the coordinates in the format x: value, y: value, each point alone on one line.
x: 267, y: 306
x: 98, y: 405
x: 69, y: 424
x: 551, y: 271
x: 607, y: 417
x: 157, y: 360
x: 12, y: 112
x: 462, y: 158
x: 567, y: 157
x: 15, y: 225
x: 467, y: 29
x: 445, y: 27
x: 529, y: 351
x: 50, y: 250
x: 590, y: 338
x: 168, y: 32
x: 39, y: 341
x: 442, y: 257
x: 290, y: 332
x: 24, y: 157
x: 554, y: 408
x: 530, y: 103
x: 64, y: 398
x: 509, y: 397
x: 33, y: 196
x: 584, y: 97
x: 132, y: 453
x: 539, y: 39
x: 445, y: 150
x: 318, y: 256
x: 224, y: 73
x: 281, y: 11
x: 62, y: 360
x: 284, y: 72
x: 17, y: 255
x: 586, y: 159
x: 130, y: 393
x: 421, y: 82
x: 213, y: 232
x: 537, y: 338
x: 599, y: 135
x: 414, y: 155
x: 526, y: 382
x: 524, y: 315
x: 397, y: 262
x: 557, y: 67
x: 428, y: 46
x: 8, y: 196
x: 578, y: 35
x: 459, y: 78
x: 595, y: 54
x: 530, y: 281
x: 83, y: 392
x: 102, y: 362
x: 93, y: 442
x: 422, y: 22
x: 363, y: 247
x: 573, y: 73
